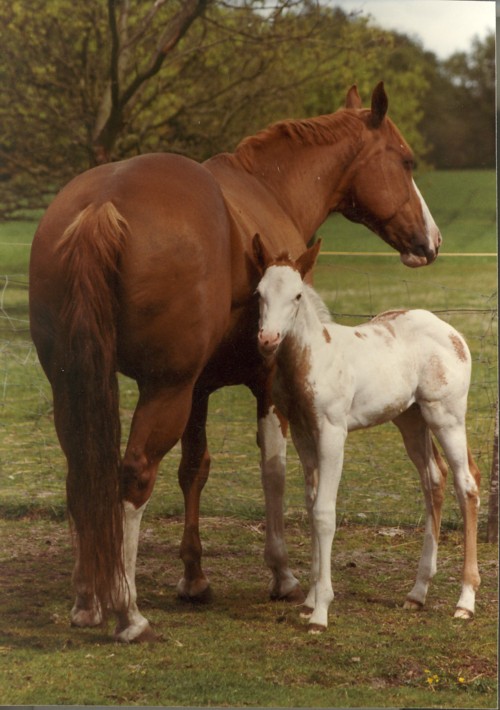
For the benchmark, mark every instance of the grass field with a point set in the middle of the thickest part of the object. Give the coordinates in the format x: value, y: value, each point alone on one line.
x: 373, y: 654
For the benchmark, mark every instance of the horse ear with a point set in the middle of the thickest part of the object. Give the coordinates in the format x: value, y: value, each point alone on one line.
x: 380, y: 104
x: 353, y: 100
x: 262, y: 256
x: 306, y: 261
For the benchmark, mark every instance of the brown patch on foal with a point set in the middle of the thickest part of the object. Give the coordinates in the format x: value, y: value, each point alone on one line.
x: 295, y: 393
x: 327, y: 336
x: 389, y: 315
x: 459, y: 347
x: 437, y: 371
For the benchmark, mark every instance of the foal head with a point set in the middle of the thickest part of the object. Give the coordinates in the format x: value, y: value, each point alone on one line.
x: 280, y: 291
x: 380, y: 190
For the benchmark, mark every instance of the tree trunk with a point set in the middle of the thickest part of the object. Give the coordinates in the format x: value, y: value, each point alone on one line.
x: 110, y: 119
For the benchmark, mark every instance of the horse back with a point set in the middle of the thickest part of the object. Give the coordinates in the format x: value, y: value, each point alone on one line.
x: 174, y: 286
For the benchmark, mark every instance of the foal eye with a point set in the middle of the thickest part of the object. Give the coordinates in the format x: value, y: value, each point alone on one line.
x: 298, y: 297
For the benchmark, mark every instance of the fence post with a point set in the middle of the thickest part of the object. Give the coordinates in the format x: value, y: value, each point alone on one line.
x: 492, y: 531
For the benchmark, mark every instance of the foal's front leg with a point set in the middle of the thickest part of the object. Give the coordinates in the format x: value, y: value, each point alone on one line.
x: 330, y: 461
x: 271, y: 437
x: 310, y: 470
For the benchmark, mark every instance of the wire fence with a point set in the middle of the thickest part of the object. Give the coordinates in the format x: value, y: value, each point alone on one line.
x: 355, y: 289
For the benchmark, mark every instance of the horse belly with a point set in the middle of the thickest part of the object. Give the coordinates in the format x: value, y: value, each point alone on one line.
x: 174, y: 313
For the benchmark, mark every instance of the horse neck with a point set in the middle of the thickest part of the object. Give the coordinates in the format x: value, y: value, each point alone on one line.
x: 304, y: 164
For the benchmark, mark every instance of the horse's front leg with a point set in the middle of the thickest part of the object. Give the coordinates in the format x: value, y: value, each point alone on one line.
x: 271, y: 437
x: 193, y: 474
x: 330, y: 462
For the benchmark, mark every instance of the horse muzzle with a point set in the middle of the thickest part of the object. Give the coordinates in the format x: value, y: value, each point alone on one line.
x: 421, y: 255
x: 268, y: 342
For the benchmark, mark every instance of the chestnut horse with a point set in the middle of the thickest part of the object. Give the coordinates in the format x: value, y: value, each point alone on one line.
x: 145, y: 267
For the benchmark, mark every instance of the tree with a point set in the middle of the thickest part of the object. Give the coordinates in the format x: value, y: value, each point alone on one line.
x: 84, y: 83
x: 89, y: 82
x: 459, y: 124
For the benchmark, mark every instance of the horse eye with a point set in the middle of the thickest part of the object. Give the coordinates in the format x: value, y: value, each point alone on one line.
x: 298, y: 297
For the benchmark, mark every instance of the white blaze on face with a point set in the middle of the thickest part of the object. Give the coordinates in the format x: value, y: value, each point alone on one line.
x: 432, y: 233
x: 279, y: 289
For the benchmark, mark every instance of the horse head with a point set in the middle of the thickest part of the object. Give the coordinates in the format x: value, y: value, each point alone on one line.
x: 379, y: 190
x: 280, y: 291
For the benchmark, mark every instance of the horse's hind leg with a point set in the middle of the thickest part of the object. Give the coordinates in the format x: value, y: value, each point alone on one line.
x: 433, y: 471
x: 193, y: 474
x: 158, y: 423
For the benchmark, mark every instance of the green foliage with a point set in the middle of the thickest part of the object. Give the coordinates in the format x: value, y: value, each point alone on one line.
x: 76, y: 90
x: 459, y: 122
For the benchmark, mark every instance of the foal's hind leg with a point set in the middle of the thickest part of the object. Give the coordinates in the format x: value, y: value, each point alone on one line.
x: 193, y: 474
x: 466, y: 479
x: 433, y: 471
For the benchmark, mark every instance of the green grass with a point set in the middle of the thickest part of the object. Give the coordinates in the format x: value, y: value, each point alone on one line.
x: 241, y: 649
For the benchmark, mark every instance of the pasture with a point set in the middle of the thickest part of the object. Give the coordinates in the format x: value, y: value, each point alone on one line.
x: 242, y: 649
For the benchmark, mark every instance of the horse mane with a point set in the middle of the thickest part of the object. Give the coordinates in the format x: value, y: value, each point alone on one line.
x: 318, y: 304
x: 322, y: 130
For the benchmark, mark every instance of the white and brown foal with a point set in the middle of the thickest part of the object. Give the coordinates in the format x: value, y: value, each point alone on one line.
x: 408, y: 367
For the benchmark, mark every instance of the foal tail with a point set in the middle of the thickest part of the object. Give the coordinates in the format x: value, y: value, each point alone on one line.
x: 86, y: 396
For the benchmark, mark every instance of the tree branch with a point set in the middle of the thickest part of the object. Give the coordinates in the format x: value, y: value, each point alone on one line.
x: 172, y: 35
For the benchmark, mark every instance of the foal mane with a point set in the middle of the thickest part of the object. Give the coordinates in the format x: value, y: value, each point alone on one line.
x: 318, y: 304
x: 320, y: 131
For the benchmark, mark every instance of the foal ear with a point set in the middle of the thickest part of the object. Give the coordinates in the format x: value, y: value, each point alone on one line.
x: 353, y: 100
x: 380, y: 104
x: 306, y: 261
x: 262, y: 256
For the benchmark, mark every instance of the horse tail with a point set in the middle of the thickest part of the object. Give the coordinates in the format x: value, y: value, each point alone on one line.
x: 86, y: 395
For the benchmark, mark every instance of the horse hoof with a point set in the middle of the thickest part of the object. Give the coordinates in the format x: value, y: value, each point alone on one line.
x: 85, y: 618
x: 412, y: 605
x: 136, y: 633
x: 316, y: 629
x: 463, y: 614
x: 294, y: 596
x: 197, y: 592
x: 306, y: 612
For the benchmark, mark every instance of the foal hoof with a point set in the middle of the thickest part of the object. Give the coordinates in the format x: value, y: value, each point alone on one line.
x: 463, y: 614
x: 306, y: 612
x: 197, y: 591
x: 316, y: 629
